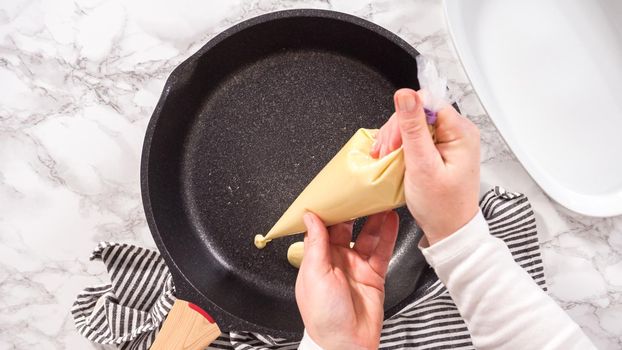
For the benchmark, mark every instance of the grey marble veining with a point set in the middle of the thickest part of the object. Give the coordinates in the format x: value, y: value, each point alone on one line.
x: 78, y: 82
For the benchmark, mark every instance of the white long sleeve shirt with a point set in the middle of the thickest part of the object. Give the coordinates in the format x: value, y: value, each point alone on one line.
x: 500, y: 303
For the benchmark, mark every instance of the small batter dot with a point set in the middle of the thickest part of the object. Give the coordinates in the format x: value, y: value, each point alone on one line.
x: 261, y: 241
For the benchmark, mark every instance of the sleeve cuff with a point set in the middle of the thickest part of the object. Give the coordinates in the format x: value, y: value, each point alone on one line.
x: 467, y: 238
x: 307, y: 343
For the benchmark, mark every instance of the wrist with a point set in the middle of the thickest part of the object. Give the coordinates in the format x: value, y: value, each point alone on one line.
x: 456, y: 246
x: 446, y: 226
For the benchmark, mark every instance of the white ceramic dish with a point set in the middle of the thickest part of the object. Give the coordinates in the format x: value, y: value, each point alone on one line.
x: 549, y: 74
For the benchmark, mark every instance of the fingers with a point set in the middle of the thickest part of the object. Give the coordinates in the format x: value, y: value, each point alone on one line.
x: 317, y: 254
x: 419, y: 149
x: 341, y: 234
x: 375, y: 147
x: 379, y: 259
x: 394, y: 137
x: 370, y: 235
x: 377, y: 240
x: 388, y: 138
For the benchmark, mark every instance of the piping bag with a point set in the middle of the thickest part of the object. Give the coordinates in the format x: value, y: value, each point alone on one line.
x: 353, y: 184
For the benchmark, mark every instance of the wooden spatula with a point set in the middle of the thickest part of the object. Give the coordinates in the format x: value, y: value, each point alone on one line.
x: 187, y: 327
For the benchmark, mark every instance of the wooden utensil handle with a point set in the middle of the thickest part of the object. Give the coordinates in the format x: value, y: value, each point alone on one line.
x: 187, y: 327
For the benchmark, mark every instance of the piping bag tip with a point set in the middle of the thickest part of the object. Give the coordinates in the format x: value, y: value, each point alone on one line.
x: 261, y: 241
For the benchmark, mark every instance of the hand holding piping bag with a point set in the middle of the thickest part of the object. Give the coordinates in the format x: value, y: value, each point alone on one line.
x: 444, y: 167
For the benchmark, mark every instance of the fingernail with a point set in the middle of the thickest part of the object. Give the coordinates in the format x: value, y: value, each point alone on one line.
x: 406, y: 102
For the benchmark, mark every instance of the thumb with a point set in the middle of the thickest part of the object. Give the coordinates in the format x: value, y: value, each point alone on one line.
x: 317, y: 246
x: 419, y: 148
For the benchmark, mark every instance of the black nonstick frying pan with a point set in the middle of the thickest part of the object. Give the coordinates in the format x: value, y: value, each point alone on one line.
x: 240, y: 129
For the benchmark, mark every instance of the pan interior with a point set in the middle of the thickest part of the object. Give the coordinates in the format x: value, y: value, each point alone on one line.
x: 247, y: 124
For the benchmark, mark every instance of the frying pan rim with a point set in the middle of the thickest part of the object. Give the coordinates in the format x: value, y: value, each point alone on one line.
x: 173, y: 83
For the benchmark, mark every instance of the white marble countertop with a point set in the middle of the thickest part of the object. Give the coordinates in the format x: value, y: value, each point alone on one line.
x: 78, y: 83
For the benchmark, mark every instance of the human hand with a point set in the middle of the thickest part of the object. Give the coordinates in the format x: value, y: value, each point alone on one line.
x: 340, y: 290
x: 441, y: 183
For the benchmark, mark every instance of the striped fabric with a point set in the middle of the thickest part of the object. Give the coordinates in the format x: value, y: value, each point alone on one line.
x: 129, y: 311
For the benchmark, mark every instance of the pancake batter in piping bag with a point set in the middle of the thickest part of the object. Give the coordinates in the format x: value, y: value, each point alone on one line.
x: 351, y: 185
x: 354, y: 184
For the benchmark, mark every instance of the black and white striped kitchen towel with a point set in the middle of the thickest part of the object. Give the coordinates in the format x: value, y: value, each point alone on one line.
x: 128, y: 312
